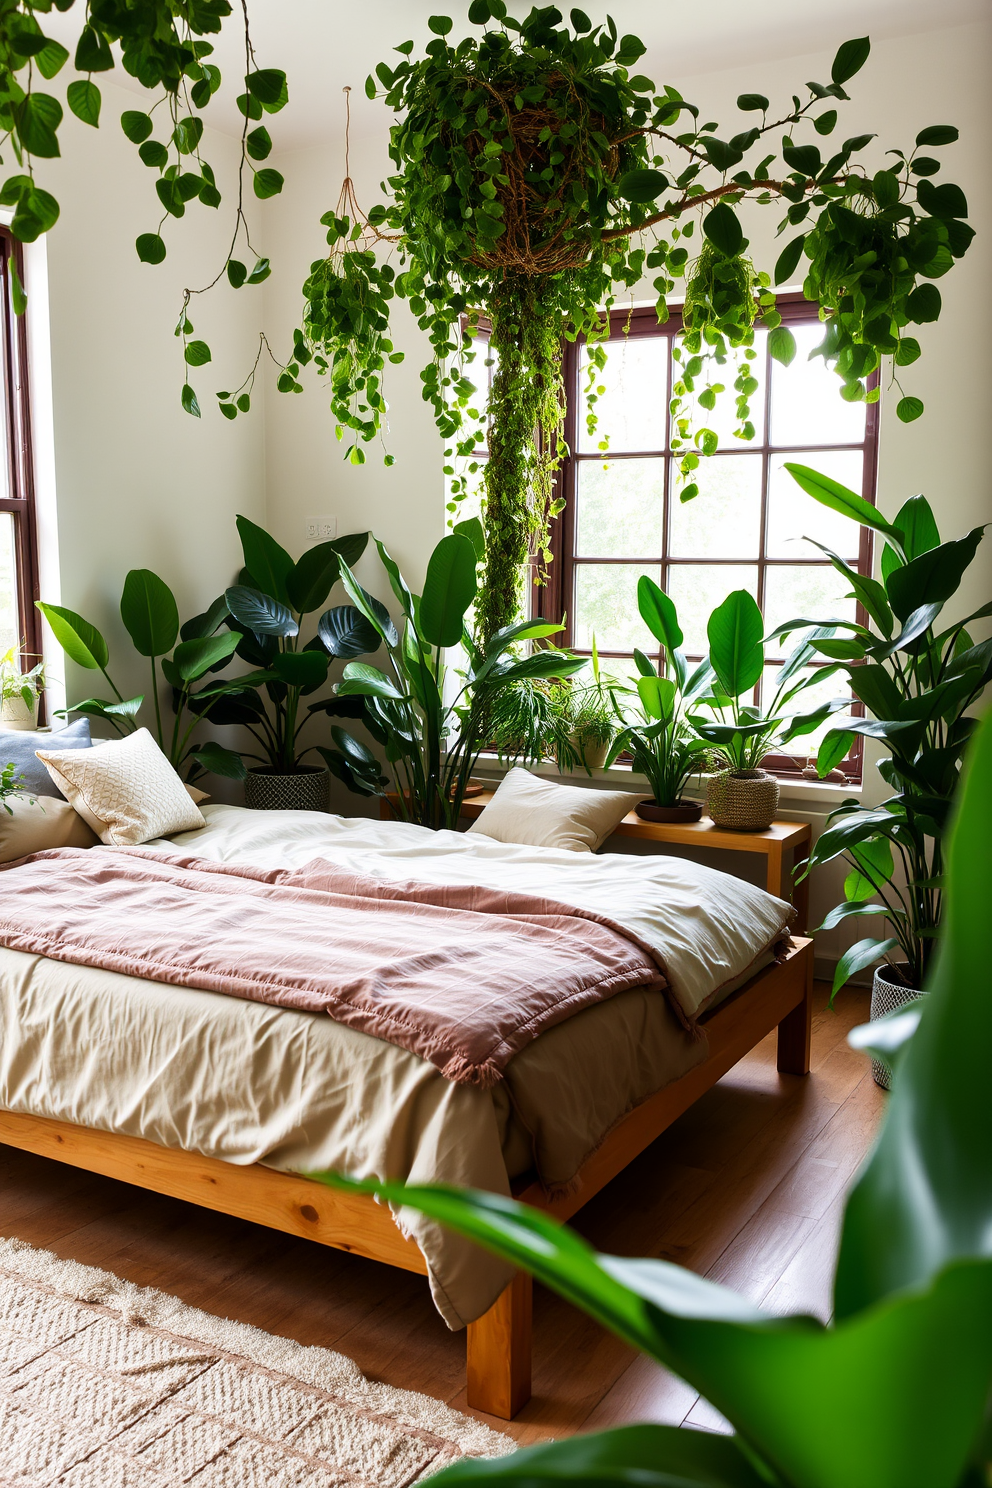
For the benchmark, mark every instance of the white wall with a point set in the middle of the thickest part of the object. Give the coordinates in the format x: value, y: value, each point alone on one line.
x: 138, y: 482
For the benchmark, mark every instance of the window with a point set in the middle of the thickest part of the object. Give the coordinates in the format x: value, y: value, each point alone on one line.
x: 744, y: 530
x: 18, y: 534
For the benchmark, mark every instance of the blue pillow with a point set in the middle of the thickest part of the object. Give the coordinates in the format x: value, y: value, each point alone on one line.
x: 19, y: 746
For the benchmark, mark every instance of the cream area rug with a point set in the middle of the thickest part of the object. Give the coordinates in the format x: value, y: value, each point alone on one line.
x: 106, y: 1385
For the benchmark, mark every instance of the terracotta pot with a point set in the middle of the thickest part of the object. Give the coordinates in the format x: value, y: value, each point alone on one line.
x: 887, y: 994
x: 14, y: 715
x: 305, y: 789
x: 742, y: 800
x: 686, y: 811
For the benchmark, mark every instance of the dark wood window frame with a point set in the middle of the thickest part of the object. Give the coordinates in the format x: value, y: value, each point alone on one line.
x: 20, y: 497
x: 556, y: 597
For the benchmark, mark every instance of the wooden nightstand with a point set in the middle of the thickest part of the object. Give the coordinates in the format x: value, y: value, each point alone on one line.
x: 772, y: 844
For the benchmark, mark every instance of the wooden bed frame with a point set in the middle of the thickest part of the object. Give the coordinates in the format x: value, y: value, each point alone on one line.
x: 499, y: 1343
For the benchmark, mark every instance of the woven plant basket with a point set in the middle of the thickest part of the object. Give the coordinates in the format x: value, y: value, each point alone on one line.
x: 742, y: 800
x: 886, y: 995
x: 306, y: 789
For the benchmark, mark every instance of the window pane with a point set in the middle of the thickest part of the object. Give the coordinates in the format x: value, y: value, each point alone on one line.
x: 724, y: 520
x: 606, y: 603
x: 807, y: 701
x: 792, y: 515
x: 8, y: 585
x: 632, y: 412
x: 723, y: 418
x: 814, y: 592
x: 697, y: 589
x: 807, y: 407
x: 620, y: 508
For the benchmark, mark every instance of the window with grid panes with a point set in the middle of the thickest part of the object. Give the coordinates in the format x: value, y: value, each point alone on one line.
x: 747, y: 527
x: 18, y: 543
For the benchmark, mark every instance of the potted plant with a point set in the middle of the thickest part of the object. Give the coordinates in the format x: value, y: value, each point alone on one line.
x: 431, y: 720
x: 662, y: 744
x: 743, y: 797
x: 20, y: 692
x: 9, y: 785
x: 917, y: 684
x: 266, y: 610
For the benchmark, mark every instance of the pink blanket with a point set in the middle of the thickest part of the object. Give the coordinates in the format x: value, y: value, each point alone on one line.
x: 464, y: 977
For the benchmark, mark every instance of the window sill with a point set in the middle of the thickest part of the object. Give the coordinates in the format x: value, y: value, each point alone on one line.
x: 796, y: 795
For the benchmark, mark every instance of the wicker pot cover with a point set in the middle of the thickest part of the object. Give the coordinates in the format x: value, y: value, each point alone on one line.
x: 887, y: 995
x: 305, y: 790
x: 743, y: 800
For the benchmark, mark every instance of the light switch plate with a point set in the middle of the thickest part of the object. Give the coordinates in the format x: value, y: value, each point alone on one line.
x: 320, y: 529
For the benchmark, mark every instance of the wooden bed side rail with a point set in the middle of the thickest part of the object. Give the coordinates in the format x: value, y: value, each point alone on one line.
x: 282, y: 1201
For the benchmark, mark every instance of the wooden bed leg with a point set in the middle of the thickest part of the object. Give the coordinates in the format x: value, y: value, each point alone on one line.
x: 499, y: 1349
x: 795, y: 1028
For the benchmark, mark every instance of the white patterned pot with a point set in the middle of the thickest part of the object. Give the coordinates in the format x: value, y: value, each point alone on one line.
x: 887, y: 994
x: 742, y: 800
x: 305, y: 789
x: 14, y: 714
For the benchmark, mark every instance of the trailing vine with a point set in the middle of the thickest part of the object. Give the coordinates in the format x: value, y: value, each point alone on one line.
x: 536, y: 176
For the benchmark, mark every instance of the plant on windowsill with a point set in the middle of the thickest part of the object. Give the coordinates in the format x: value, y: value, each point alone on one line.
x: 661, y: 742
x: 431, y: 719
x: 860, y: 1399
x: 20, y: 692
x: 917, y: 685
x: 743, y: 797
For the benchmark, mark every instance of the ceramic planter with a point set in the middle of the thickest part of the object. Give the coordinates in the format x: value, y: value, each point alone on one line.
x: 887, y: 994
x: 593, y: 755
x: 685, y: 811
x: 15, y: 715
x: 305, y: 789
x: 742, y: 800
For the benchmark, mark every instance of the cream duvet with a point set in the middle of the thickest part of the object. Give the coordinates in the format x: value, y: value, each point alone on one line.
x: 247, y: 1082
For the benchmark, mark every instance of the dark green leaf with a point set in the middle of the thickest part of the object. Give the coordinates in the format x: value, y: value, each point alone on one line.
x: 260, y: 612
x: 267, y: 562
x: 153, y: 153
x: 259, y: 143
x: 449, y: 589
x: 197, y: 353
x: 850, y: 58
x: 37, y: 118
x: 937, y: 134
x: 923, y: 304
x: 659, y: 614
x: 303, y: 669
x: 734, y: 632
x: 220, y: 761
x: 641, y: 185
x: 83, y: 98
x: 148, y: 609
x: 835, y: 747
x: 865, y: 953
x: 236, y: 273
x: 268, y: 182
x: 151, y: 248
x: 195, y: 657
x: 51, y: 59
x: 260, y: 272
x: 346, y: 633
x: 268, y: 86
x: 788, y: 260
x: 909, y: 409
x: 93, y: 52
x: 472, y: 529
x: 752, y: 102
x: 724, y: 230
x: 839, y: 498
x: 189, y: 400
x: 932, y: 577
x: 310, y: 581
x: 440, y: 25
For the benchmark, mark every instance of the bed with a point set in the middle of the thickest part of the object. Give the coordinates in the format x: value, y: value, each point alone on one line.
x: 226, y: 1103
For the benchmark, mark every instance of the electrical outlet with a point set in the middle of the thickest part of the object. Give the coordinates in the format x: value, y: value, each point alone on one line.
x: 320, y: 529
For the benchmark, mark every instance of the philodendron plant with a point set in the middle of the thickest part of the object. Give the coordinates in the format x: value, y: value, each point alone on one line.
x: 894, y: 1391
x: 744, y: 733
x: 917, y: 683
x: 430, y: 718
x: 267, y: 609
x: 151, y: 618
x: 662, y: 743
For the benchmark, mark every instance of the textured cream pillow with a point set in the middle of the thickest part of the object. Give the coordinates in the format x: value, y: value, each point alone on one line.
x: 33, y: 825
x: 125, y: 790
x: 539, y: 813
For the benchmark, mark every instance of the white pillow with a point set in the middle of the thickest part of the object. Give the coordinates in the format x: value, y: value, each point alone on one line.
x: 33, y: 825
x: 126, y: 790
x: 540, y: 813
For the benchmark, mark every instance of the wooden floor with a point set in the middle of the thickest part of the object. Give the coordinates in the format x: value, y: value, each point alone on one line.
x: 746, y: 1188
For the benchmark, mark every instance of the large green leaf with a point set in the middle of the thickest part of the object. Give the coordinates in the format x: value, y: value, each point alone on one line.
x: 261, y: 613
x: 396, y: 580
x: 858, y: 957
x: 932, y: 577
x: 658, y: 697
x: 346, y: 633
x: 304, y: 669
x: 309, y: 582
x: 268, y: 563
x: 658, y: 613
x: 840, y: 499
x: 220, y: 761
x: 734, y: 631
x: 193, y: 658
x: 646, y: 1456
x: 149, y: 612
x: 361, y: 680
x: 80, y: 640
x: 449, y: 589
x: 925, y: 1198
x: 915, y: 520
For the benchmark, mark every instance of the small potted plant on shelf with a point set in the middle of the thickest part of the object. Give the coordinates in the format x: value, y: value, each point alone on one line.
x: 593, y: 716
x: 917, y: 684
x: 20, y: 692
x: 743, y: 797
x: 662, y: 744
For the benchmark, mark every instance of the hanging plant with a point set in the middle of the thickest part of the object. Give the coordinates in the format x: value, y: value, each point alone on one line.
x: 537, y: 176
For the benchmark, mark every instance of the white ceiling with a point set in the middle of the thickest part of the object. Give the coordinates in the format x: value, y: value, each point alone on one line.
x: 323, y: 45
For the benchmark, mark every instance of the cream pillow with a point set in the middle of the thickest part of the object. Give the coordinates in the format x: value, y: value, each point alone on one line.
x: 539, y: 813
x: 33, y: 825
x: 125, y: 790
